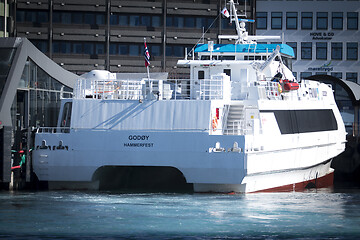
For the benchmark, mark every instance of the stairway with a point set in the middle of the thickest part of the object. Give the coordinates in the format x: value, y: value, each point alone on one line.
x: 235, y: 120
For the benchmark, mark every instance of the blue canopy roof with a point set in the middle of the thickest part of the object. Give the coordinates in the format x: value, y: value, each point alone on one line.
x: 246, y: 48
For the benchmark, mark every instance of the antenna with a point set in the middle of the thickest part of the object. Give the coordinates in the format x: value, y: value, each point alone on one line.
x: 242, y: 35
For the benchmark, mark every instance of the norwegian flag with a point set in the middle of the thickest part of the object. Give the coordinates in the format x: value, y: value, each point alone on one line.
x: 146, y: 56
x: 225, y: 12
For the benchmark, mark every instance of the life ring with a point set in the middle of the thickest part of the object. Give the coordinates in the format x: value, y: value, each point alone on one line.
x: 214, y: 123
x: 279, y: 88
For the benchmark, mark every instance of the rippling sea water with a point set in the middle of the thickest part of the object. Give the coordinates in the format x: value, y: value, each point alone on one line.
x: 320, y: 214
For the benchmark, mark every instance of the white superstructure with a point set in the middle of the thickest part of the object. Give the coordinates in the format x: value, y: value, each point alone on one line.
x: 242, y: 123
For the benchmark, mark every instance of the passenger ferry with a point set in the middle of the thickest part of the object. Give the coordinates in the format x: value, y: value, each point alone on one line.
x: 241, y: 123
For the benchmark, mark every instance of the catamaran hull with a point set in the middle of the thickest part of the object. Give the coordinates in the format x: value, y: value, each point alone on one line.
x: 319, y: 176
x: 208, y: 166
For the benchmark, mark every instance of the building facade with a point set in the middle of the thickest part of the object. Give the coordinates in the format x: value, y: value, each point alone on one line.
x: 109, y: 34
x: 324, y: 34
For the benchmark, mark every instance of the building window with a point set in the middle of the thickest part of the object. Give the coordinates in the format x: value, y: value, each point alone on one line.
x: 134, y: 50
x: 306, y: 50
x: 178, y: 22
x: 99, y: 48
x: 321, y: 50
x: 145, y: 21
x: 155, y: 50
x: 89, y: 48
x: 176, y: 50
x: 32, y: 16
x: 352, y: 51
x: 294, y: 74
x: 351, y: 76
x: 337, y: 20
x: 77, y: 48
x: 352, y: 21
x: 291, y: 20
x: 306, y: 20
x: 336, y: 51
x: 276, y: 20
x: 304, y: 75
x: 189, y: 22
x: 123, y: 20
x: 61, y: 47
x: 134, y: 20
x: 77, y: 18
x: 89, y: 18
x: 156, y: 21
x: 123, y: 49
x: 114, y: 20
x: 322, y: 20
x: 294, y: 47
x: 261, y: 20
x: 337, y: 74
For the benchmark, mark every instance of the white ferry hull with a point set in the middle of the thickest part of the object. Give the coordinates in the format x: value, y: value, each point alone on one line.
x: 319, y: 176
x: 193, y: 154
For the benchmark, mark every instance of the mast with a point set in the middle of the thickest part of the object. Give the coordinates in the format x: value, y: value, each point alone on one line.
x: 235, y: 18
x: 242, y: 35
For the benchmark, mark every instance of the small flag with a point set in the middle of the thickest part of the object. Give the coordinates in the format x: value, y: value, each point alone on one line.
x: 225, y: 12
x: 146, y: 55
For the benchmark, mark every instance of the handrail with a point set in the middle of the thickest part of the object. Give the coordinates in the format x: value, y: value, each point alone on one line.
x: 53, y: 130
x: 201, y: 89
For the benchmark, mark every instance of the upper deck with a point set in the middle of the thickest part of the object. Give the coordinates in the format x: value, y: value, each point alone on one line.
x: 239, y: 51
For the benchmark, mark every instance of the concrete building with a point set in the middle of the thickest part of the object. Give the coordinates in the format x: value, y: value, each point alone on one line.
x: 324, y: 34
x: 109, y: 34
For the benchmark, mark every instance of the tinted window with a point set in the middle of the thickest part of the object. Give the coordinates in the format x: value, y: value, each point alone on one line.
x: 276, y: 20
x: 306, y: 20
x: 321, y: 50
x: 336, y: 51
x: 304, y: 121
x: 322, y: 20
x: 352, y: 51
x: 261, y: 20
x: 306, y: 50
x: 337, y: 20
x: 291, y: 20
x: 352, y: 20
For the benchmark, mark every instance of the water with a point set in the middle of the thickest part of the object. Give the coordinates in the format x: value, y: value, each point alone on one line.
x: 320, y: 214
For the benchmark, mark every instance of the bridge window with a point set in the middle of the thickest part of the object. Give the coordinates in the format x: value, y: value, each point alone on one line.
x: 66, y: 115
x: 228, y: 72
x: 201, y: 74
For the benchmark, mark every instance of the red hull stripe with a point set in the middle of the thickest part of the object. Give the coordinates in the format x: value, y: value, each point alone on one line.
x: 325, y: 181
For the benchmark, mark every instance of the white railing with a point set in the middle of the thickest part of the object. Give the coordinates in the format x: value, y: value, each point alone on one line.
x: 270, y: 89
x: 237, y: 128
x: 203, y: 89
x: 211, y: 89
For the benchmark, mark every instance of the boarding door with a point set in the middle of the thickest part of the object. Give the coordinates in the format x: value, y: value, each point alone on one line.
x: 199, y: 74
